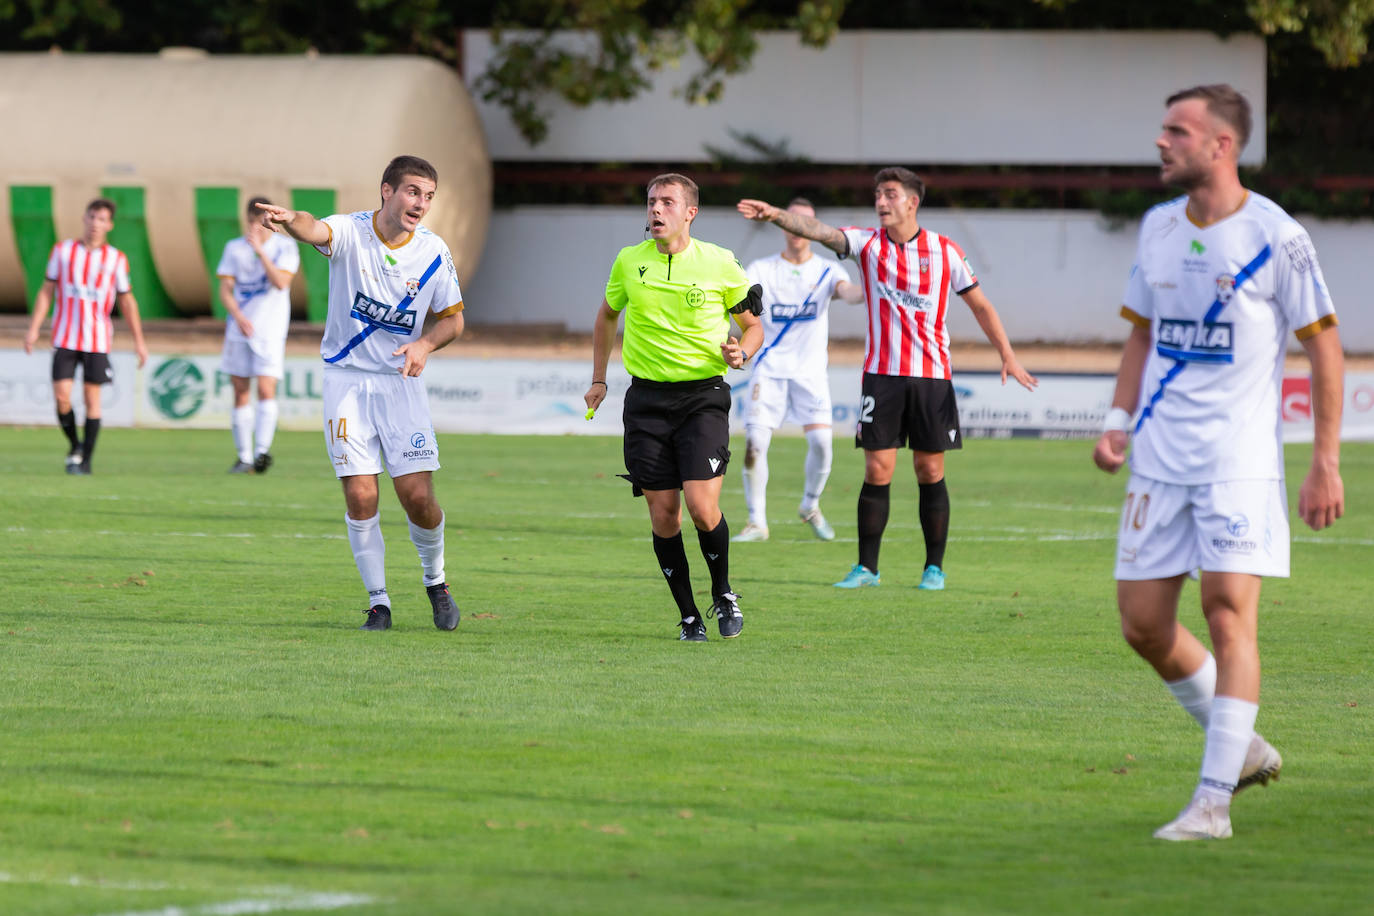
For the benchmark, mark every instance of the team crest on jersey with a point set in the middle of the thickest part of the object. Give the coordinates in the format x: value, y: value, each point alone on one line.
x: 1226, y: 288
x: 393, y: 318
x: 412, y: 288
x: 925, y: 264
x: 695, y: 297
x: 1195, y: 341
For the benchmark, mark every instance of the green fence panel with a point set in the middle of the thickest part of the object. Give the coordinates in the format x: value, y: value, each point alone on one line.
x: 34, y: 232
x: 130, y: 235
x: 217, y: 219
x: 320, y: 203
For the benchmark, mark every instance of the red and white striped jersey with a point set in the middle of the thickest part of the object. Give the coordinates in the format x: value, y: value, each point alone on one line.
x: 87, y: 282
x: 906, y: 289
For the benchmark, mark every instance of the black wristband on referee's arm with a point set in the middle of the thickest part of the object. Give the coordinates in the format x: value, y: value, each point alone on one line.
x: 752, y: 302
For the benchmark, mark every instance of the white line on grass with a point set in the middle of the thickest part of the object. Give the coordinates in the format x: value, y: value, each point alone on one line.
x: 268, y: 899
x: 78, y: 881
x: 20, y: 529
x: 295, y: 902
x: 1047, y: 507
x: 143, y: 499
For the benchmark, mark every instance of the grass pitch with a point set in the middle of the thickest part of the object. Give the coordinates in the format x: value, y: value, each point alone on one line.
x: 190, y: 724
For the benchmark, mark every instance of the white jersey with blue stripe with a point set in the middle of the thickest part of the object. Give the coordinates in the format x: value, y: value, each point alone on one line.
x: 266, y: 306
x: 796, y: 320
x: 1221, y: 301
x: 379, y: 295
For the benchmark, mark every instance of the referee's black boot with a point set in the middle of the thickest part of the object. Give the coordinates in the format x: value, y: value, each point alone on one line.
x: 378, y: 618
x: 693, y: 630
x: 727, y: 613
x: 446, y: 613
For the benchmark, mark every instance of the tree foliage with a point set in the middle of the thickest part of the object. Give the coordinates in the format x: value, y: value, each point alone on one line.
x: 622, y: 43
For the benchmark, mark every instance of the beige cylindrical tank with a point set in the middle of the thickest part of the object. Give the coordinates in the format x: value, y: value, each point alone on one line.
x: 183, y: 119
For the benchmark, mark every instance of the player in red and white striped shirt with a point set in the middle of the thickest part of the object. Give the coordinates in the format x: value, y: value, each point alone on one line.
x: 85, y: 278
x: 908, y: 274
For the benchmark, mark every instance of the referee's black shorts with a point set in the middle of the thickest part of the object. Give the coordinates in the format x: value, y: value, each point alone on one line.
x: 899, y: 410
x: 95, y: 367
x: 676, y: 431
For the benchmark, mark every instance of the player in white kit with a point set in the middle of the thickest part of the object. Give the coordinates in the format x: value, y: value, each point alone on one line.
x: 1222, y: 278
x: 255, y: 274
x: 790, y: 382
x: 386, y: 273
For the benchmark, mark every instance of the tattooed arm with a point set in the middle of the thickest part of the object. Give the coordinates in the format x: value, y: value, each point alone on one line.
x: 797, y: 224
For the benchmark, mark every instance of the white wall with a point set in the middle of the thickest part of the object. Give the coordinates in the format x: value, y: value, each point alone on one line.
x: 1054, y: 276
x: 910, y: 98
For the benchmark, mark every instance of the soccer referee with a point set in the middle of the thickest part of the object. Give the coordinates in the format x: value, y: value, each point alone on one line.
x: 678, y: 295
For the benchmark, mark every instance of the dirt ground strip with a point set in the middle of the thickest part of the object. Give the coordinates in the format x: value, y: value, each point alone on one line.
x: 206, y: 335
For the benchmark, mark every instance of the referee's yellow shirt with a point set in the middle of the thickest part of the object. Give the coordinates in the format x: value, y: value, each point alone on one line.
x: 676, y: 308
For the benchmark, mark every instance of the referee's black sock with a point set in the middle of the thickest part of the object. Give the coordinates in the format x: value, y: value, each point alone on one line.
x: 88, y: 446
x: 873, y: 508
x: 715, y: 547
x: 68, y: 423
x: 935, y: 520
x: 672, y: 559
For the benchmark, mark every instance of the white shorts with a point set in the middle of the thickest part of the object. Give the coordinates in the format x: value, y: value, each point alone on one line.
x: 254, y: 357
x: 1232, y: 526
x: 771, y: 402
x: 371, y: 415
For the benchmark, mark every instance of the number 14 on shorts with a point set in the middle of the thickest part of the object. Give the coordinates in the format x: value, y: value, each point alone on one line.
x: 338, y: 440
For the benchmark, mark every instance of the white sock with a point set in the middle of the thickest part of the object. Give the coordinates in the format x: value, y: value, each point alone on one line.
x: 265, y: 426
x: 1194, y: 692
x: 1228, y: 738
x: 242, y: 425
x: 819, y: 449
x: 429, y: 544
x: 757, y: 438
x: 369, y: 552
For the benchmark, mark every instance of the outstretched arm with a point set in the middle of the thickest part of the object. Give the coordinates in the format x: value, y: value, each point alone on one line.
x: 1322, y: 498
x: 298, y: 224
x: 795, y: 223
x: 987, y: 318
x: 1110, y: 453
x: 852, y: 293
